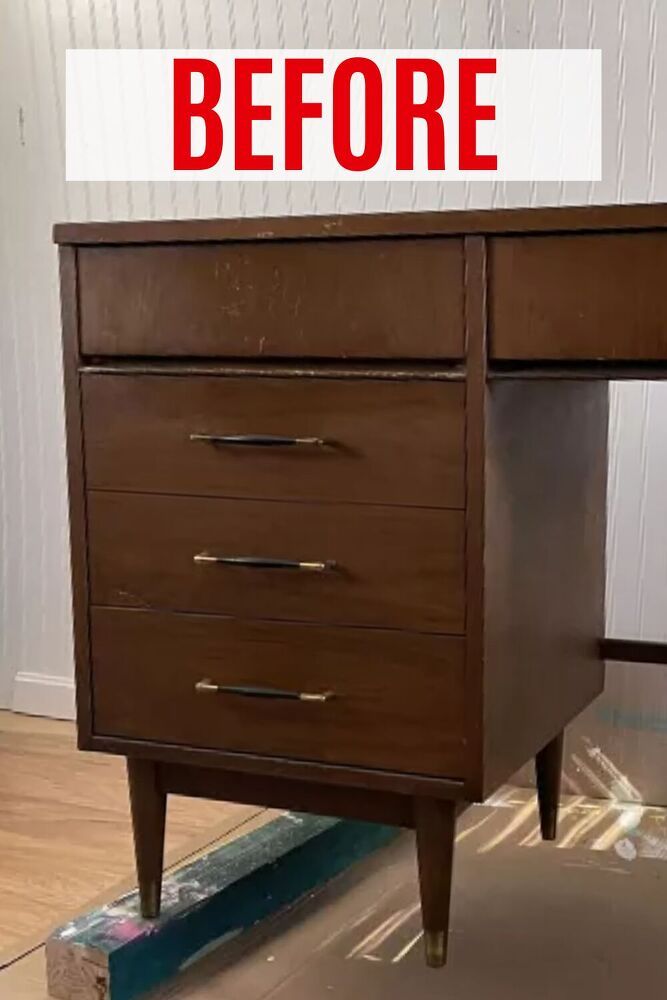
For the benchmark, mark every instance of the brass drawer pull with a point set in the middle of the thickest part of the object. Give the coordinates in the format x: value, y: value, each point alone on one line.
x: 262, y: 440
x: 255, y: 562
x: 208, y: 687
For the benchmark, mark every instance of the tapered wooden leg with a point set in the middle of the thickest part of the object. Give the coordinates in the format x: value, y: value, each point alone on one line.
x: 149, y: 805
x: 548, y: 769
x: 435, y: 823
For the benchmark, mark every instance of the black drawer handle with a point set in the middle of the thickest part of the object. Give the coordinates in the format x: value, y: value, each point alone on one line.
x: 209, y: 687
x: 255, y: 562
x: 262, y: 440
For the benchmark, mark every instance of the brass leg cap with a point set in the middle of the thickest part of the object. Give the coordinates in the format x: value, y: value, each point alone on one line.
x: 435, y: 944
x: 150, y: 902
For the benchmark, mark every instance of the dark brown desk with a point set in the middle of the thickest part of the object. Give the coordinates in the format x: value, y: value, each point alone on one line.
x: 337, y: 492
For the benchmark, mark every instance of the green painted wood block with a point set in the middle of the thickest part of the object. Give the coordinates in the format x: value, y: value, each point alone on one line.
x: 113, y: 954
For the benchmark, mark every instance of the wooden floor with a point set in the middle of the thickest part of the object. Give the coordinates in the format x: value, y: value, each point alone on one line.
x: 65, y: 829
x: 580, y: 919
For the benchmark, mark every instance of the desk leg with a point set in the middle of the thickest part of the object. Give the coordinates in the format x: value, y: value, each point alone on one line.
x: 548, y: 769
x: 149, y: 805
x: 435, y: 824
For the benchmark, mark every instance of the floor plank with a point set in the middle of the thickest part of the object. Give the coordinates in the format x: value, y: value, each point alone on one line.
x: 65, y: 828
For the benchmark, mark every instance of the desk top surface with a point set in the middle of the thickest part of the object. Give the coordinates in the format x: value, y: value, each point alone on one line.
x: 588, y: 218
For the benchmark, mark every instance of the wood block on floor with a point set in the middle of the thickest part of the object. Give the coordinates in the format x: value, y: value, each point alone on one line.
x: 112, y: 954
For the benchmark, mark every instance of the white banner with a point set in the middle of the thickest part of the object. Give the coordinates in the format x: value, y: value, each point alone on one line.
x: 333, y: 115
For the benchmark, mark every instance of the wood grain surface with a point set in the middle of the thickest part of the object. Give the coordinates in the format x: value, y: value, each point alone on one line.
x: 65, y: 832
x: 546, y: 479
x: 564, y: 218
x: 586, y: 297
x: 388, y: 689
x: 387, y: 442
x: 364, y: 299
x: 394, y: 566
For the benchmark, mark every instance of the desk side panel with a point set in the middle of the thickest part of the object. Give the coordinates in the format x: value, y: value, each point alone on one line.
x: 76, y: 486
x: 546, y: 477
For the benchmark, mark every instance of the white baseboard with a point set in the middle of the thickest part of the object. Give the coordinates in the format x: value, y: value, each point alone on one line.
x: 44, y: 694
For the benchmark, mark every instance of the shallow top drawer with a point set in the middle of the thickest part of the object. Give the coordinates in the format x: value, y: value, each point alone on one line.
x: 329, y: 299
x: 584, y: 297
x: 381, y: 441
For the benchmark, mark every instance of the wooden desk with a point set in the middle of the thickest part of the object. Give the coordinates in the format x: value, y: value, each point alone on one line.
x: 337, y: 491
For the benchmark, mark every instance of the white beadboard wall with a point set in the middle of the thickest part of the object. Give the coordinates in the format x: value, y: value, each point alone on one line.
x: 35, y: 645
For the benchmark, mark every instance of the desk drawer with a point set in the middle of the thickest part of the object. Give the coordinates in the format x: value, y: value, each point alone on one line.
x: 386, y: 442
x: 327, y: 299
x: 397, y: 699
x: 585, y: 297
x: 385, y: 566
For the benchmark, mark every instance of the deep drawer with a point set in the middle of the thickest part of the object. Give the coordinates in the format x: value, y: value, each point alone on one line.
x: 329, y: 299
x: 385, y: 442
x: 367, y: 565
x: 394, y: 700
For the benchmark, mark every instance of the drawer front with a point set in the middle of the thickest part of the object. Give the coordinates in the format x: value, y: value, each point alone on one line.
x: 582, y: 297
x: 384, y: 566
x: 329, y: 299
x: 386, y: 442
x: 387, y: 689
